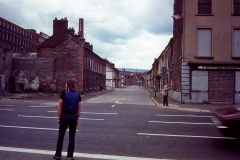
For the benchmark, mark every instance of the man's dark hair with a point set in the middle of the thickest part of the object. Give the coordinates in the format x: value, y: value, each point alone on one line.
x: 71, y: 85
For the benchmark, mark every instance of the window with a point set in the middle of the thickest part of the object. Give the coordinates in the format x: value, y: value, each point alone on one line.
x: 199, y: 80
x: 236, y: 43
x: 204, y: 6
x: 237, y: 77
x: 204, y: 42
x: 236, y: 7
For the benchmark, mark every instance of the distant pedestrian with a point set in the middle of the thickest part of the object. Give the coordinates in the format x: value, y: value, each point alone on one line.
x: 101, y: 87
x: 165, y: 94
x: 69, y: 109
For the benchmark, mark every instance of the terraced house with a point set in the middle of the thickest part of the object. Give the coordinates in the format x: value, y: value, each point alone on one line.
x: 31, y: 61
x: 73, y: 57
x: 202, y: 60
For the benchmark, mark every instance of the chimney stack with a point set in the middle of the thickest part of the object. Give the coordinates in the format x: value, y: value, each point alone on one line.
x: 81, y: 28
x: 60, y: 27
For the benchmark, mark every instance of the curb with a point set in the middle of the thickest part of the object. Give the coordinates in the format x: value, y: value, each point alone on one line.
x: 176, y: 107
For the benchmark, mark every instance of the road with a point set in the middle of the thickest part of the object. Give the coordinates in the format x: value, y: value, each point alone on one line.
x: 124, y: 124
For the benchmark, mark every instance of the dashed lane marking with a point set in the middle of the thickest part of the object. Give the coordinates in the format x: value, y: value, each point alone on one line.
x: 162, y: 115
x: 181, y: 123
x: 99, y: 113
x: 183, y: 136
x: 118, y: 102
x: 90, y: 119
x: 6, y: 105
x: 34, y: 128
x: 76, y: 154
x: 6, y: 110
x: 92, y: 113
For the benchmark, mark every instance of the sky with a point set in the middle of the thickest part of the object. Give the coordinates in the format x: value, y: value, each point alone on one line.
x: 129, y: 33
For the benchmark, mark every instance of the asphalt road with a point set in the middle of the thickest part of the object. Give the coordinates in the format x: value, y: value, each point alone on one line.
x: 124, y: 124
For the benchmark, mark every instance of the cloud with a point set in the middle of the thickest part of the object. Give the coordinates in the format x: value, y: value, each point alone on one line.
x: 129, y: 33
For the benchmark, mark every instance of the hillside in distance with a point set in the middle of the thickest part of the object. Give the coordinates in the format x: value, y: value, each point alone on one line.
x: 133, y: 70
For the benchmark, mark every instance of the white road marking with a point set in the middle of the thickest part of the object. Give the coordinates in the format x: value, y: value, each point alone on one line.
x: 6, y: 110
x: 76, y: 154
x: 49, y: 104
x: 6, y: 105
x: 92, y: 113
x: 162, y: 115
x: 183, y: 136
x: 180, y: 122
x: 35, y: 116
x: 118, y: 102
x: 90, y: 119
x: 99, y: 113
x: 21, y: 127
x: 40, y: 106
x: 57, y: 117
x: 113, y: 106
x: 116, y: 99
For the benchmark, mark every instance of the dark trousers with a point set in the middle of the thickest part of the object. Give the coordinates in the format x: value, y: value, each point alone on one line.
x: 165, y: 100
x: 67, y: 121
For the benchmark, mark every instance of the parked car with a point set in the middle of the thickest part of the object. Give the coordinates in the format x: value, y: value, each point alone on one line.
x: 227, y: 120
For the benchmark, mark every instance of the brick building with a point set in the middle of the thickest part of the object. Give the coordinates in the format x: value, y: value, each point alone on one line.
x: 15, y: 39
x: 19, y: 39
x: 73, y: 57
x: 203, y: 59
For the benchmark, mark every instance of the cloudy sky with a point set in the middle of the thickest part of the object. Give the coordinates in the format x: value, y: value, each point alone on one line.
x: 129, y: 33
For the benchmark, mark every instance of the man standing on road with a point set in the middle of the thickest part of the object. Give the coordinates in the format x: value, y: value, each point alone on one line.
x: 69, y: 109
x: 165, y: 94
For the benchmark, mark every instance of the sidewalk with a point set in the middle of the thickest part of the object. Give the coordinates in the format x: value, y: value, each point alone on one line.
x: 50, y: 96
x: 173, y: 104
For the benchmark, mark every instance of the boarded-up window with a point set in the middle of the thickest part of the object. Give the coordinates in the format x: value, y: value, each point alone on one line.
x: 204, y: 42
x: 237, y: 81
x: 236, y: 43
x: 200, y: 80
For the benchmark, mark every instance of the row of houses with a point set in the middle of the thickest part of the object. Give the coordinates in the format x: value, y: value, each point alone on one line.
x: 31, y: 61
x: 202, y: 60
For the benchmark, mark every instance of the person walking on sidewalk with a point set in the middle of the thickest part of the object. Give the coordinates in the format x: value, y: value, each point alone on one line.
x: 69, y: 109
x: 165, y: 94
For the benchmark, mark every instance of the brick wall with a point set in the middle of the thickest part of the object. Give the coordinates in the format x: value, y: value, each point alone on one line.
x: 68, y: 59
x: 32, y: 74
x: 93, y: 77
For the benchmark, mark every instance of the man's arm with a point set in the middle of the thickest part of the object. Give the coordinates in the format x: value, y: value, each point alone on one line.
x: 59, y: 109
x: 79, y: 110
